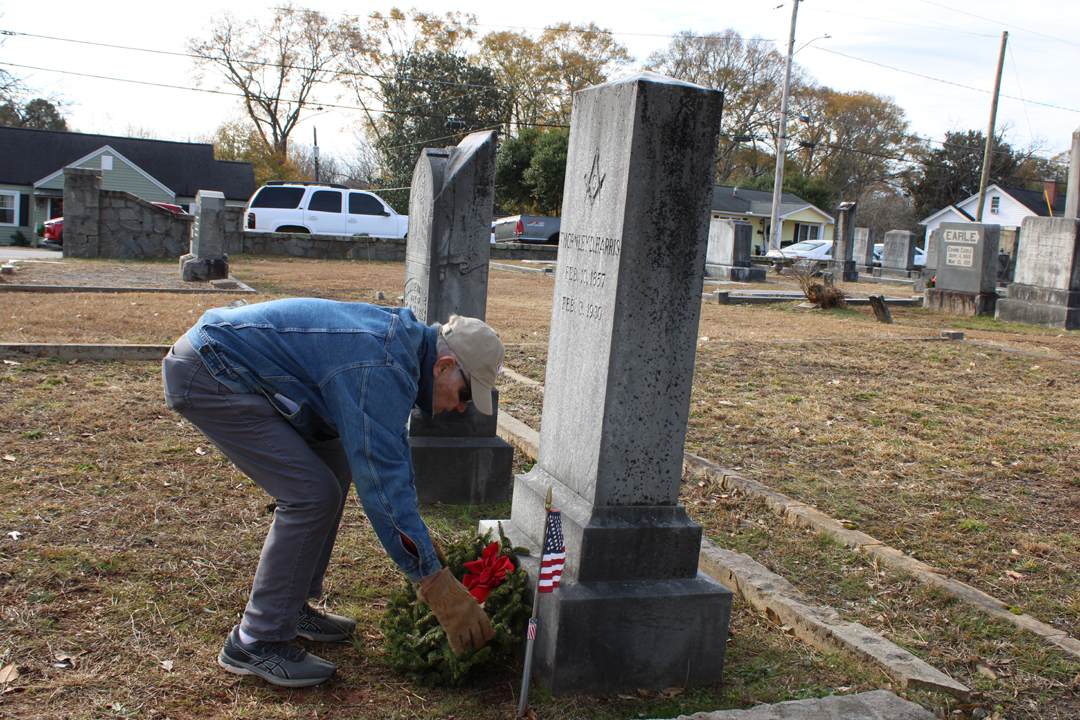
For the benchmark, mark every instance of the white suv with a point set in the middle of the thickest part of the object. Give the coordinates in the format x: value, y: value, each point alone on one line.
x: 302, y: 207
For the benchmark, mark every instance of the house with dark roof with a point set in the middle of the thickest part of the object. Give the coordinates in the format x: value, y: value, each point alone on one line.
x: 799, y: 219
x: 1004, y: 206
x: 32, y: 166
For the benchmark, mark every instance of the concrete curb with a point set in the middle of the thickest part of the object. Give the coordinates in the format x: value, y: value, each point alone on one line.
x: 821, y: 627
x: 875, y: 705
x: 243, y: 290
x: 801, y: 514
x: 518, y: 268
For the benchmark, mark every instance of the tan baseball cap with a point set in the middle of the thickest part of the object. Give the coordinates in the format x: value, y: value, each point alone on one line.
x: 480, y: 352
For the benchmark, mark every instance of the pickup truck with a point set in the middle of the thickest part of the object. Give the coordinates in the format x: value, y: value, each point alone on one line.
x: 526, y: 228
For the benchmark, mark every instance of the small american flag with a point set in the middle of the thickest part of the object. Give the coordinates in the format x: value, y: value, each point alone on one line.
x: 551, y: 564
x: 532, y: 629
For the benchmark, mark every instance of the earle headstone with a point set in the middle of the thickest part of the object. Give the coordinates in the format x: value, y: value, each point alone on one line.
x: 898, y: 255
x: 842, y: 264
x: 457, y: 457
x: 207, y: 259
x: 863, y: 251
x: 633, y: 610
x: 1046, y: 285
x: 728, y: 254
x: 967, y: 270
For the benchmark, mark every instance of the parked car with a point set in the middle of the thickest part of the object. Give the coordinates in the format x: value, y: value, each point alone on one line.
x: 54, y: 229
x: 807, y: 249
x: 920, y: 255
x: 527, y: 228
x: 325, y: 209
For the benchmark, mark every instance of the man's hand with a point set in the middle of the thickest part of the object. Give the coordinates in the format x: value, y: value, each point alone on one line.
x: 466, y: 625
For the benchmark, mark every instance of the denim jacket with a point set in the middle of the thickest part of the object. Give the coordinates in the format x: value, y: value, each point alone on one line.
x: 351, y: 370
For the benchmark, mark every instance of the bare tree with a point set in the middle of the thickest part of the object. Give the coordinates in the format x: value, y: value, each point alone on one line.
x: 277, y: 67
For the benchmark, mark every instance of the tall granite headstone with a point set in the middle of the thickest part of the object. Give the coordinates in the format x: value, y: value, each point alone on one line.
x: 1046, y: 284
x: 898, y: 255
x: 728, y: 254
x: 863, y: 250
x: 842, y: 264
x: 457, y: 457
x: 633, y: 611
x: 207, y: 259
x: 967, y: 270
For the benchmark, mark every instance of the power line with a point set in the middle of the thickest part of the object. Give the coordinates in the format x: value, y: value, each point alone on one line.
x: 928, y: 77
x: 999, y: 22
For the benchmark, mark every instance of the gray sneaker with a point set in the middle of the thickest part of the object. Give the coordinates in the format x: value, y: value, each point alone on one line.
x: 323, y: 626
x: 280, y: 663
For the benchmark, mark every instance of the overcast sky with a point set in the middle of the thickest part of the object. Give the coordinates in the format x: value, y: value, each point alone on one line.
x: 935, y: 58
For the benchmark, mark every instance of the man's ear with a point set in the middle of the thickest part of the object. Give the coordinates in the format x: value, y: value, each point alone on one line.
x: 442, y: 365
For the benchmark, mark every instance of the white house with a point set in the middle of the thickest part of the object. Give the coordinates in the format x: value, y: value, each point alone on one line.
x: 1003, y: 206
x: 799, y: 220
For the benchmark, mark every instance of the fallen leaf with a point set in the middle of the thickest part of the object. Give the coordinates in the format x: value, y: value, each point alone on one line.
x: 643, y: 693
x: 64, y: 661
x: 199, y: 451
x: 9, y: 673
x: 986, y: 672
x: 9, y: 458
x: 671, y: 692
x: 167, y: 665
x: 1014, y: 575
x: 725, y: 403
x: 14, y: 534
x: 530, y: 714
x: 84, y: 434
x: 12, y: 363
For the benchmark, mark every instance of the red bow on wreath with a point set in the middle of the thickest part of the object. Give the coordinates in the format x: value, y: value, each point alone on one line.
x: 484, y: 575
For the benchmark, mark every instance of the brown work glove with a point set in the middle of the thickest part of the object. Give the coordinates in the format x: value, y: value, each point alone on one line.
x: 466, y: 625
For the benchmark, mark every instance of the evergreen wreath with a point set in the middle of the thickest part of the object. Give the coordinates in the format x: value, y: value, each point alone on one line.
x: 417, y: 644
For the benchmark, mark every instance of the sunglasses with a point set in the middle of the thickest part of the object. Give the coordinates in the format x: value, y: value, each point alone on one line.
x: 465, y: 393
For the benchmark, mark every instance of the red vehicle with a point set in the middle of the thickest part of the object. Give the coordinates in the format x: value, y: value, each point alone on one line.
x: 54, y: 229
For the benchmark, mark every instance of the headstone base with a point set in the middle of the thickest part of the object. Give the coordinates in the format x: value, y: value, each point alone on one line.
x: 193, y: 269
x: 959, y: 302
x: 895, y: 273
x: 864, y: 269
x: 735, y: 273
x: 843, y: 271
x: 604, y: 637
x: 462, y: 470
x: 1059, y: 309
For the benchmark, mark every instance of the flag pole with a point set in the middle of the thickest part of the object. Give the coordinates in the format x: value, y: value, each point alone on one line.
x: 523, y: 703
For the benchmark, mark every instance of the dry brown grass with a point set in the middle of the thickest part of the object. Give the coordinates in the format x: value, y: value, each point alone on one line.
x: 135, y: 549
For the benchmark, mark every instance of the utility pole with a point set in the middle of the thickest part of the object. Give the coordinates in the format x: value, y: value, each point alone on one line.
x: 781, y: 145
x: 988, y: 154
x: 315, y: 135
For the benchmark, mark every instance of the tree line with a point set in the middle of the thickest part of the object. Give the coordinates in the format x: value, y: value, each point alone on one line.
x: 423, y: 79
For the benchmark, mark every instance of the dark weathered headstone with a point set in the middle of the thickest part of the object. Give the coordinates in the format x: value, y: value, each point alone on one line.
x: 633, y: 611
x: 863, y: 250
x: 1046, y: 286
x: 967, y: 270
x: 457, y: 457
x: 898, y: 255
x: 449, y: 246
x: 728, y: 253
x: 842, y: 266
x: 207, y: 259
x: 881, y: 310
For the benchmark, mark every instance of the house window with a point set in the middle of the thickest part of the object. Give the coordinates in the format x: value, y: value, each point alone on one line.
x: 9, y: 208
x: 995, y: 204
x: 805, y: 232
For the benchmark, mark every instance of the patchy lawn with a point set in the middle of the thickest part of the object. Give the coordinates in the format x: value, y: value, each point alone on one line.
x: 127, y: 552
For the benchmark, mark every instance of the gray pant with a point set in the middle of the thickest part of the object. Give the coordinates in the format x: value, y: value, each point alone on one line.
x: 309, y: 480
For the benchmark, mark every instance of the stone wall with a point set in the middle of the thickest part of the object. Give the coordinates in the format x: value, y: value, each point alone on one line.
x: 234, y: 232
x: 333, y: 247
x: 117, y: 224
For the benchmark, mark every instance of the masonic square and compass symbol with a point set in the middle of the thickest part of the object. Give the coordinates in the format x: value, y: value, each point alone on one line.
x: 594, y: 180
